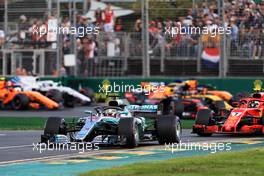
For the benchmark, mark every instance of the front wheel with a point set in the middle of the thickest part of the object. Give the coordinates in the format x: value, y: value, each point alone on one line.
x: 53, y: 126
x: 20, y: 102
x: 128, y: 128
x: 169, y: 129
x: 204, y: 117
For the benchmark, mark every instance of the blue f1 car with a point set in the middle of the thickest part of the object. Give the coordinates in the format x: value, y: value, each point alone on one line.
x: 116, y: 124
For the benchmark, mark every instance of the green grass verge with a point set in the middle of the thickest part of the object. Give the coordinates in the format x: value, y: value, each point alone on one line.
x: 246, y: 163
x: 187, y: 124
x: 23, y: 123
x: 37, y: 123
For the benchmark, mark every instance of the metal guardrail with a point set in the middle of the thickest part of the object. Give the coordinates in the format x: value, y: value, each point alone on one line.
x: 30, y: 61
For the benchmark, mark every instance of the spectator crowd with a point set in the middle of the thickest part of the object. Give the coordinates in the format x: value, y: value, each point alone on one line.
x: 243, y: 17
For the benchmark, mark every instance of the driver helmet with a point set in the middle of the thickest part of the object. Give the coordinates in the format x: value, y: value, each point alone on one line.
x: 254, y: 104
x: 111, y: 112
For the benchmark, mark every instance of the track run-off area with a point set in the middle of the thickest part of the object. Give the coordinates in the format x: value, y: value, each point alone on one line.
x: 18, y: 156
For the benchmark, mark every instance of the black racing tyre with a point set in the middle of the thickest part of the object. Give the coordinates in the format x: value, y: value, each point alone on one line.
x: 171, y: 110
x: 55, y: 95
x: 205, y: 134
x: 204, y: 117
x: 262, y: 121
x: 127, y: 127
x: 55, y: 125
x: 69, y: 101
x: 20, y: 102
x: 168, y: 129
x: 220, y: 105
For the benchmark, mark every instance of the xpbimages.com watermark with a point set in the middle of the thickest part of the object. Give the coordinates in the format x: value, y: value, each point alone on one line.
x: 79, y: 31
x: 123, y: 88
x: 80, y: 147
x: 197, y: 146
x: 213, y: 31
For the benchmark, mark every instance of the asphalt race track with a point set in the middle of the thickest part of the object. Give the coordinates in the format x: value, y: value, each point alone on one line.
x: 17, y: 157
x: 17, y: 149
x: 17, y: 146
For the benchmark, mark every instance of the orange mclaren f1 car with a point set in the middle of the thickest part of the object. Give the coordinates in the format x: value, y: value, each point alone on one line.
x: 13, y: 97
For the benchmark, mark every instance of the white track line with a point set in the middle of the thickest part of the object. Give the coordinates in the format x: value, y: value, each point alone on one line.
x: 15, y: 146
x: 47, y: 158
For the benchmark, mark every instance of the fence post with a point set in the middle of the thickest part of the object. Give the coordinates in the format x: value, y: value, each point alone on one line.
x: 59, y: 46
x: 4, y: 63
x: 6, y: 17
x: 228, y: 54
x: 222, y: 64
x: 162, y: 57
x: 145, y: 38
x: 199, y: 55
x: 13, y: 64
x: 49, y: 6
x: 126, y: 54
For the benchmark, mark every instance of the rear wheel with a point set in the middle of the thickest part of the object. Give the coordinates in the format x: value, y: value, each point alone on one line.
x: 127, y: 127
x: 20, y: 102
x: 169, y: 129
x: 204, y: 117
x: 218, y: 106
x: 69, y: 101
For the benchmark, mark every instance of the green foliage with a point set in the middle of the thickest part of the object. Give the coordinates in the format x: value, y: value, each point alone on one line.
x: 164, y: 9
x: 37, y: 123
x: 23, y: 123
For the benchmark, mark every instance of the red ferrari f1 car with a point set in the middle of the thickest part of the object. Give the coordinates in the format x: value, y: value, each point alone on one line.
x: 247, y: 118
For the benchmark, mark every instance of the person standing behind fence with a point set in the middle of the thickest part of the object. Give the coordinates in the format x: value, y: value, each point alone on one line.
x: 258, y: 43
x: 23, y: 27
x: 86, y: 56
x: 108, y: 17
x: 2, y: 38
x: 259, y: 31
x: 98, y: 14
